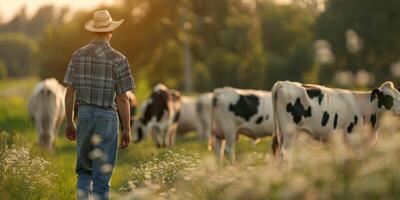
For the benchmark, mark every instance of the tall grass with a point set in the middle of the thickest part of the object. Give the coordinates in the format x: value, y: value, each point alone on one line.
x: 24, y: 176
x: 335, y: 170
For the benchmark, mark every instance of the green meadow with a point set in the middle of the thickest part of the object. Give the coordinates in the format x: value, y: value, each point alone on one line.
x: 17, y: 131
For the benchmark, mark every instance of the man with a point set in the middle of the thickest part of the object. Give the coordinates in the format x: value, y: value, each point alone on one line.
x: 98, y: 77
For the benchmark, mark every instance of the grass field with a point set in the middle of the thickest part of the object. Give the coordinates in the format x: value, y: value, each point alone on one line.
x: 19, y: 131
x: 189, y: 171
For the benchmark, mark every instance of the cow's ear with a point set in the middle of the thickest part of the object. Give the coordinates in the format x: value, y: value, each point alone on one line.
x: 375, y: 93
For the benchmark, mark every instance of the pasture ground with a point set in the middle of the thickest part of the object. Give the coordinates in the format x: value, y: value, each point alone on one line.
x: 19, y: 131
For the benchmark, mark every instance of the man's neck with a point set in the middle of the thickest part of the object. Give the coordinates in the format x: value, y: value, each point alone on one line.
x: 102, y: 39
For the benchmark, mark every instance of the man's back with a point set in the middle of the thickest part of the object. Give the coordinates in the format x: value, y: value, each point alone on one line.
x: 98, y: 73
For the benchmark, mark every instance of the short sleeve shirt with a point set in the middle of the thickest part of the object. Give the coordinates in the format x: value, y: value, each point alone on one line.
x: 99, y: 73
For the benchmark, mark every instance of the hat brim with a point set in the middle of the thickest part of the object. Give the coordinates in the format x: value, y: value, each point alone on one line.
x: 114, y: 25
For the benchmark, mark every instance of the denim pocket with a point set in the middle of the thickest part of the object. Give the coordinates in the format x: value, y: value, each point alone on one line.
x: 107, y: 128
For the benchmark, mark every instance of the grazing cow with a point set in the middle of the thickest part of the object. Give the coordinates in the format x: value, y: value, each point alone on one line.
x: 248, y: 112
x: 320, y: 111
x: 194, y: 115
x: 160, y: 116
x: 46, y: 108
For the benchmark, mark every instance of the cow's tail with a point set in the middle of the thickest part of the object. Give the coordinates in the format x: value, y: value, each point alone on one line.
x: 277, y: 138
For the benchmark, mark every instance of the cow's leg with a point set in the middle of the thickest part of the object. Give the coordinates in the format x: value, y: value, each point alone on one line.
x: 209, y: 143
x: 157, y: 136
x: 287, y: 136
x: 51, y: 143
x: 172, y: 134
x: 230, y: 147
x: 219, y: 147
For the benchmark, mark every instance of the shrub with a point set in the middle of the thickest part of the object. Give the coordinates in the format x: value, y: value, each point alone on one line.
x: 23, y: 176
x: 162, y: 171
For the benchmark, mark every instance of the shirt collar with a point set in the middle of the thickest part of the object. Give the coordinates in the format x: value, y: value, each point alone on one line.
x: 100, y: 42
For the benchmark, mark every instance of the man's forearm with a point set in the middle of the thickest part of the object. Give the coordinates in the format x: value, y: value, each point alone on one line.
x: 122, y: 101
x: 69, y: 104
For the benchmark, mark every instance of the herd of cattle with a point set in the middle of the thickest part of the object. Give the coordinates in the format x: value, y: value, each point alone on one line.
x: 226, y: 112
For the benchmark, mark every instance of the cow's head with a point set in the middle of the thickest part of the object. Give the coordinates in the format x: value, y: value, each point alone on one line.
x: 387, y: 97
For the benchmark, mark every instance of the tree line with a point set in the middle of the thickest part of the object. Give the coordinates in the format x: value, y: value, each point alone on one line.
x: 240, y: 43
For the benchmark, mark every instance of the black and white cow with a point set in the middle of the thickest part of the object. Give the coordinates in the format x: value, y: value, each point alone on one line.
x: 248, y: 112
x: 194, y: 115
x: 320, y: 111
x: 160, y: 115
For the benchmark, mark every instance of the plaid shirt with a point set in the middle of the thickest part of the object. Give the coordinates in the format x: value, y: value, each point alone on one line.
x: 98, y: 73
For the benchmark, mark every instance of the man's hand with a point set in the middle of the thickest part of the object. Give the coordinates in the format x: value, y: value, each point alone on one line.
x: 125, y: 138
x: 70, y: 131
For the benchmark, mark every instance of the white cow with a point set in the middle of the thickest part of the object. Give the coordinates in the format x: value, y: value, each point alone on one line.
x: 248, y: 112
x: 320, y: 111
x: 46, y: 108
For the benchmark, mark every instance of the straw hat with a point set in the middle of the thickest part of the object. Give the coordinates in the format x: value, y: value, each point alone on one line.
x: 102, y: 22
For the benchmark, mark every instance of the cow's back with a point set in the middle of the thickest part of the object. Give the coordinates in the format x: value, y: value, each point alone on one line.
x: 187, y: 115
x: 315, y: 109
x: 248, y: 111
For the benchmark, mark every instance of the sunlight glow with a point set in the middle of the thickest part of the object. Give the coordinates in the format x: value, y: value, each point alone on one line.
x: 8, y: 8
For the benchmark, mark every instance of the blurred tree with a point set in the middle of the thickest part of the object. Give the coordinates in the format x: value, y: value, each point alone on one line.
x: 17, y: 52
x: 288, y: 37
x: 3, y: 70
x: 232, y: 42
x: 34, y: 27
x: 376, y: 23
x: 17, y: 24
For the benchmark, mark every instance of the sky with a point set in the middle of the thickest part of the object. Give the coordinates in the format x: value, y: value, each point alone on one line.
x: 8, y: 8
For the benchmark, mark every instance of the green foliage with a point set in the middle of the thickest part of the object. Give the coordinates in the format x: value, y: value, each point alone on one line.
x: 3, y: 70
x: 376, y: 23
x: 17, y: 51
x: 231, y: 42
x: 34, y: 27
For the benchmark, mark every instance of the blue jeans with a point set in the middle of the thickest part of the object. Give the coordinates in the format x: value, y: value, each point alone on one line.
x: 97, y: 141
